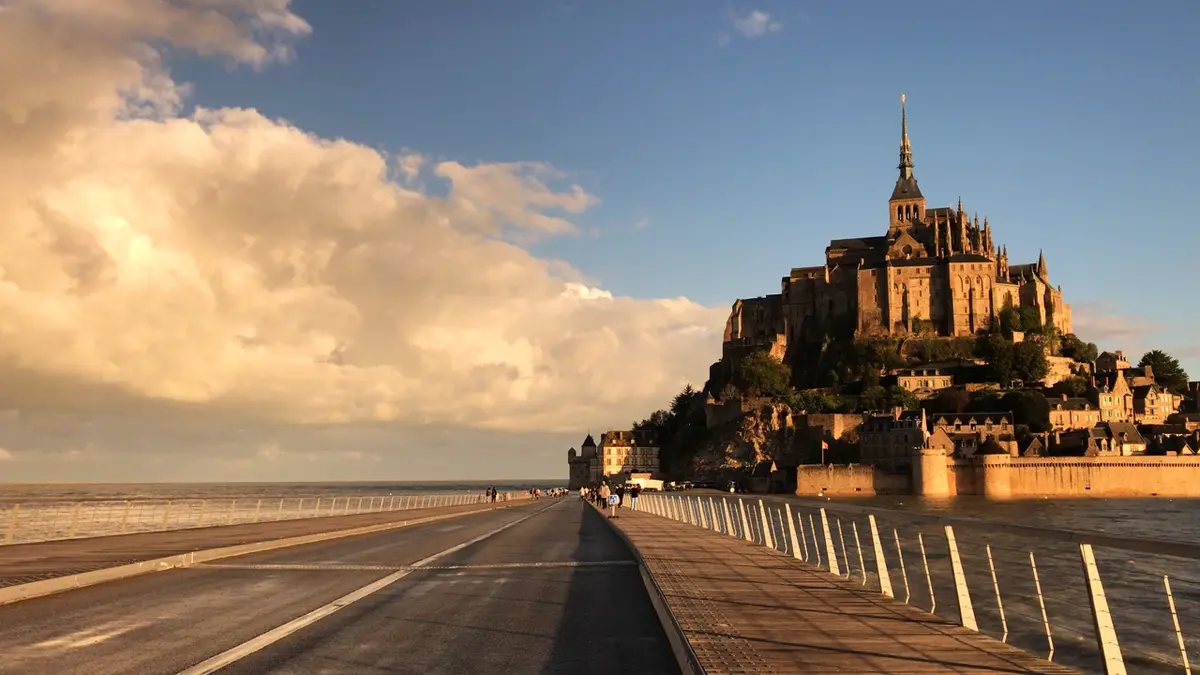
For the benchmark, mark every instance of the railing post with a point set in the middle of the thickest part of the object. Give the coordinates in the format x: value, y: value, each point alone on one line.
x: 903, y: 571
x: 125, y: 516
x: 996, y: 588
x: 232, y: 511
x: 966, y: 611
x: 812, y: 527
x: 279, y: 513
x: 1106, y: 633
x: 830, y: 554
x: 729, y: 528
x: 929, y: 577
x: 768, y: 539
x: 791, y: 530
x: 842, y: 540
x: 803, y: 537
x: 862, y: 565
x: 746, y: 534
x: 881, y: 568
x: 257, y: 509
x: 13, y: 515
x: 203, y: 510
x: 74, y: 520
x: 1187, y: 667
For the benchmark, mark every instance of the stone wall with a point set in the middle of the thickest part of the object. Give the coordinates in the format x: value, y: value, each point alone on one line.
x: 1058, y: 369
x: 849, y: 479
x: 1002, y: 477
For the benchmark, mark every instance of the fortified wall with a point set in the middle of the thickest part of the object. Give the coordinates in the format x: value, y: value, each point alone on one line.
x: 1001, y: 476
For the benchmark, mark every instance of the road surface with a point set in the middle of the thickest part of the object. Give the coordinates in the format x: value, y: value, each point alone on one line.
x: 544, y: 588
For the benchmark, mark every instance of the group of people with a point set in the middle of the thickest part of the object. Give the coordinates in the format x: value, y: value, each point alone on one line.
x: 601, y: 495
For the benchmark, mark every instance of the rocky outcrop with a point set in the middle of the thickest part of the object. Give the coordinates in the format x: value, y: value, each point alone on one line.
x: 763, y: 432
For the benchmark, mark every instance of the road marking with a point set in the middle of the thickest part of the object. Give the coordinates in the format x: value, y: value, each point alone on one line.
x: 276, y: 634
x: 307, y: 567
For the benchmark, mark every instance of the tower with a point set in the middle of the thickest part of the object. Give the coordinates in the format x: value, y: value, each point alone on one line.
x: 907, y: 204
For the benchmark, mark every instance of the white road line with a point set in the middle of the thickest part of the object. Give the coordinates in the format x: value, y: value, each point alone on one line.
x: 348, y: 567
x: 276, y: 634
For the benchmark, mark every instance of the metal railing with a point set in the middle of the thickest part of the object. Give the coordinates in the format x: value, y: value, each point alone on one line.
x: 38, y: 521
x: 1039, y: 589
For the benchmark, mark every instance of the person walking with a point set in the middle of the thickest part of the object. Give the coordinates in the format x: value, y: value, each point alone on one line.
x: 634, y: 493
x: 621, y: 495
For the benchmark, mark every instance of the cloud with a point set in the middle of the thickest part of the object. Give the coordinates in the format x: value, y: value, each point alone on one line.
x: 641, y: 224
x: 234, y: 269
x: 1098, y: 322
x: 752, y: 25
x: 5, y: 455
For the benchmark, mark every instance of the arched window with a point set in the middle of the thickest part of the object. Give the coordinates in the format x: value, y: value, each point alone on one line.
x: 899, y: 213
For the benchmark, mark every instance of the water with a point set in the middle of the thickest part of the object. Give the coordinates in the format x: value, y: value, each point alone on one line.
x: 86, y: 492
x: 1133, y: 582
x: 33, y: 513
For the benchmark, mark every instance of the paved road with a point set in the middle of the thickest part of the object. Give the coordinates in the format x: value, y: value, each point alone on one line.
x: 554, y: 591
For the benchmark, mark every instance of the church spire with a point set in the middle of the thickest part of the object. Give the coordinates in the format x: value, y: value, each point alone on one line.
x: 906, y: 183
x: 906, y: 163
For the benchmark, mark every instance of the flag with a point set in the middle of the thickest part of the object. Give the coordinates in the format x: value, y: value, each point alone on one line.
x: 824, y: 445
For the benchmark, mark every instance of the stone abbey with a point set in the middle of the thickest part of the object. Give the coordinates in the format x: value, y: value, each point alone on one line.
x: 936, y: 271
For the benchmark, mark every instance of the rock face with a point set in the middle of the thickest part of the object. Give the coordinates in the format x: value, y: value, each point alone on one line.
x: 764, y: 441
x: 762, y: 434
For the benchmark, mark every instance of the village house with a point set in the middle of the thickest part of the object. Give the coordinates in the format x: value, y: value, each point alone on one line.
x: 923, y: 380
x: 1073, y: 412
x: 891, y: 441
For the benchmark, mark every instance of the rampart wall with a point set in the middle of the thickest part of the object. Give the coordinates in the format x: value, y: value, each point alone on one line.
x: 1004, y: 477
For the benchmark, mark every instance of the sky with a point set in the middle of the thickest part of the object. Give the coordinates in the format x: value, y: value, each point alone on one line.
x: 306, y: 240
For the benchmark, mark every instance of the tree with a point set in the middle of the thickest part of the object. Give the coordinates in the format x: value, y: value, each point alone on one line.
x: 1030, y: 322
x: 1010, y: 320
x: 1072, y: 347
x: 811, y: 402
x: 999, y: 354
x: 951, y: 400
x: 874, y: 399
x: 1027, y: 407
x: 1072, y: 386
x: 899, y: 397
x: 1029, y: 362
x: 1167, y: 371
x: 765, y: 375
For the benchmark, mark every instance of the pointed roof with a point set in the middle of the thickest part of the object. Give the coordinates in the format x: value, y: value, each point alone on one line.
x: 1041, y: 265
x: 906, y: 184
x: 588, y: 442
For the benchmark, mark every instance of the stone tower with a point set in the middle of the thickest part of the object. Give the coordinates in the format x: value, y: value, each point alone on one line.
x: 907, y: 204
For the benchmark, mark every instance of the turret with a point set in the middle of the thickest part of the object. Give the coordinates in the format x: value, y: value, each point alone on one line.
x: 1042, y: 272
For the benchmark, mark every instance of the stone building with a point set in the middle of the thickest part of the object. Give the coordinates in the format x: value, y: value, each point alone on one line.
x: 935, y: 270
x: 619, y: 454
x: 1073, y: 412
x: 923, y: 380
x: 892, y: 441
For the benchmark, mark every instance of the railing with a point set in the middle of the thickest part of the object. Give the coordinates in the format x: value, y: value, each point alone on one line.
x: 28, y: 522
x: 1039, y: 589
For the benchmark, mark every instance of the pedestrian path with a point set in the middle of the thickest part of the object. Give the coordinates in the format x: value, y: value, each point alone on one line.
x: 749, y: 609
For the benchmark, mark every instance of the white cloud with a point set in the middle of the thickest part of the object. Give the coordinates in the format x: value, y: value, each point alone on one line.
x: 227, y: 266
x: 1098, y: 322
x: 5, y: 455
x: 755, y: 24
x: 641, y: 224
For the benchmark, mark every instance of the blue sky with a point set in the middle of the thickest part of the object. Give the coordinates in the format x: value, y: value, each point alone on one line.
x: 1071, y: 125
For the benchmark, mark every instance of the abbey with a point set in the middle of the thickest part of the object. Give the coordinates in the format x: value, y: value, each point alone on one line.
x: 934, y: 271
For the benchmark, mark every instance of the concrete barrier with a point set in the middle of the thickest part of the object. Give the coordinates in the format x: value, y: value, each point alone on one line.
x: 36, y: 589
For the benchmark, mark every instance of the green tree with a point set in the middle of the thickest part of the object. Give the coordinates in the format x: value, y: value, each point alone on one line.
x: 1072, y: 347
x: 874, y: 399
x: 1072, y: 386
x: 1168, y: 372
x: 765, y: 375
x: 999, y: 354
x: 951, y: 400
x: 1029, y: 408
x: 899, y: 397
x: 812, y: 402
x: 1029, y: 361
x: 1010, y: 320
x: 1030, y: 322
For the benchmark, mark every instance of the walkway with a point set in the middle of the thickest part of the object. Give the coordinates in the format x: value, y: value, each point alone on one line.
x: 748, y: 609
